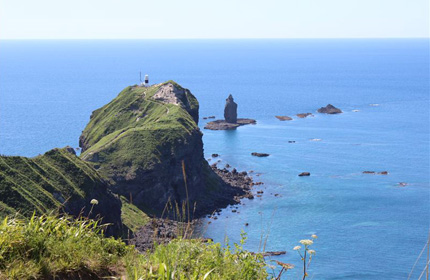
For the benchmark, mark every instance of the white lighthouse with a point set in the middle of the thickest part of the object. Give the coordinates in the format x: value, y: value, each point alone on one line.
x: 144, y: 83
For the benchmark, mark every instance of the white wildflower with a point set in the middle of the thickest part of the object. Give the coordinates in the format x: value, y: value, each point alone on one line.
x: 314, y: 236
x: 312, y: 252
x: 297, y: 248
x: 94, y: 201
x: 306, y: 242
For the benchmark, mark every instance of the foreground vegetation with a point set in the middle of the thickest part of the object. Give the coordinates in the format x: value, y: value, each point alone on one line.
x: 52, y: 247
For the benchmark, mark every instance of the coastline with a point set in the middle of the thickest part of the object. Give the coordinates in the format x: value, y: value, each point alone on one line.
x: 162, y: 230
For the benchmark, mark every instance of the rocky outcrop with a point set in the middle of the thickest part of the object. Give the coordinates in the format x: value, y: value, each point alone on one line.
x: 260, y: 154
x: 230, y: 121
x: 329, y: 109
x: 230, y: 110
x: 148, y: 143
x: 305, y: 174
x: 283, y: 118
x: 304, y: 115
x: 223, y: 125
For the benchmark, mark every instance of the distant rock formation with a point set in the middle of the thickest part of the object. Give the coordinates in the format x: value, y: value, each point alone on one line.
x: 260, y: 154
x: 329, y: 109
x: 305, y: 174
x: 230, y: 114
x: 304, y: 115
x: 230, y: 110
x: 283, y: 118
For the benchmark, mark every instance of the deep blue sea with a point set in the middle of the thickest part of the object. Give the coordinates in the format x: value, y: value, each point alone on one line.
x: 368, y: 226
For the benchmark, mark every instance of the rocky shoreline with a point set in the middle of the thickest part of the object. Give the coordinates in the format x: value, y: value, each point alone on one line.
x: 161, y: 230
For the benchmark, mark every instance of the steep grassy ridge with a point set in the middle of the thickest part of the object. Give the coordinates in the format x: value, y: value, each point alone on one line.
x: 55, y: 181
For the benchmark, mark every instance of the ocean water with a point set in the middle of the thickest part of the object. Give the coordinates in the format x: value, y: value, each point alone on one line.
x: 368, y: 226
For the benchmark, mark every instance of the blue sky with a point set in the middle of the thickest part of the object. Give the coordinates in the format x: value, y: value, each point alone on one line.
x: 142, y: 19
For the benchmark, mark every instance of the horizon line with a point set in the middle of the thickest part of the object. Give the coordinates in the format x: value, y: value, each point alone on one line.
x: 218, y: 38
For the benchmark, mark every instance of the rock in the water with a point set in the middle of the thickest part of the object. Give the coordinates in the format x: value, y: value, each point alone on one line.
x: 274, y: 253
x: 283, y: 118
x: 403, y: 184
x: 215, y: 155
x: 230, y: 114
x: 369, y: 172
x: 304, y: 115
x: 223, y: 125
x: 305, y: 174
x: 230, y: 110
x: 329, y: 109
x: 383, y: 173
x: 260, y: 154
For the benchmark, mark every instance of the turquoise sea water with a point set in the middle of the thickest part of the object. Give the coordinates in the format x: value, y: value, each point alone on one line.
x: 368, y: 226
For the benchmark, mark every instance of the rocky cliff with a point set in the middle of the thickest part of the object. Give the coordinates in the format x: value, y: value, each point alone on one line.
x: 145, y: 140
x: 57, y: 180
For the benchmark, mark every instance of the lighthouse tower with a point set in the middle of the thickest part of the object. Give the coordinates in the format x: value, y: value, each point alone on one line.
x: 146, y: 83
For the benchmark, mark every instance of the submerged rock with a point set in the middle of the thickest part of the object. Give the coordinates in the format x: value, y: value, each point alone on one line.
x: 329, y: 109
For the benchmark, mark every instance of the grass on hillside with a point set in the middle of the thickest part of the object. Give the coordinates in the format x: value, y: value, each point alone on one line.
x: 30, y: 184
x: 52, y: 247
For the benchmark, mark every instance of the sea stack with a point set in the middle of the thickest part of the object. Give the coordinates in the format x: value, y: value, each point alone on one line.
x: 230, y: 110
x: 230, y: 118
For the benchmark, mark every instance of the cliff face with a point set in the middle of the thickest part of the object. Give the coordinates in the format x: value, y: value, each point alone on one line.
x: 56, y: 180
x: 143, y: 139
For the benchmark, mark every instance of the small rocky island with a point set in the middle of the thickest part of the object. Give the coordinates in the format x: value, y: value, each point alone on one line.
x: 230, y: 118
x: 329, y: 109
x: 284, y: 118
